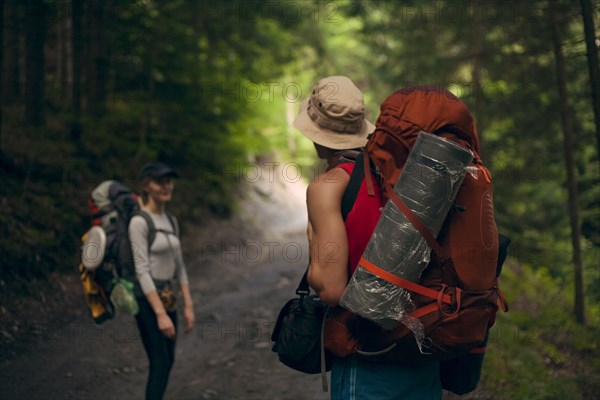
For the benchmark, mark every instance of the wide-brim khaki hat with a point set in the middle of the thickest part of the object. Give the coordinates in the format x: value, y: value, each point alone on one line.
x: 334, y: 115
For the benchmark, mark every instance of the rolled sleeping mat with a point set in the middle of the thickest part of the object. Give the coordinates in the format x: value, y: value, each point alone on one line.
x: 428, y: 185
x: 93, y: 248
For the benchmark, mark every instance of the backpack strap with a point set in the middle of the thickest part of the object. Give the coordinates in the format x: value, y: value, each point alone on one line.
x: 367, y: 168
x: 342, y: 157
x: 152, y: 228
x: 174, y: 226
x: 415, y: 221
x: 303, y: 288
x: 173, y: 222
x: 351, y: 192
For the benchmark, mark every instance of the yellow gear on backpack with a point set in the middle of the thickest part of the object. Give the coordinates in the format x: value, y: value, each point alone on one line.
x: 96, y: 299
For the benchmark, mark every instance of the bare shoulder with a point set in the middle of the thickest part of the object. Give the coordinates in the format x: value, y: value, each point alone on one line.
x: 327, y: 188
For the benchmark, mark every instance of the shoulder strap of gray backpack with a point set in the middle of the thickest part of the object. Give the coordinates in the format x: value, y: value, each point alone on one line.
x: 173, y: 222
x: 152, y: 228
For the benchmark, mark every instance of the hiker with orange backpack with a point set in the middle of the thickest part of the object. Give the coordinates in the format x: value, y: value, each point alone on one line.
x: 158, y: 265
x: 334, y: 119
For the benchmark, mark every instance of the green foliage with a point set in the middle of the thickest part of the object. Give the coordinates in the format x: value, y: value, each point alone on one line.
x: 536, y: 350
x: 181, y: 86
x: 515, y: 102
x: 210, y: 87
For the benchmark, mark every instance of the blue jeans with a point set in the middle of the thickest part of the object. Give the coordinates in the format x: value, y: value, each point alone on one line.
x: 353, y: 378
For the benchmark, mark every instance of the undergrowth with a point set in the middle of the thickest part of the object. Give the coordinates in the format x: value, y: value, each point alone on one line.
x: 537, y: 350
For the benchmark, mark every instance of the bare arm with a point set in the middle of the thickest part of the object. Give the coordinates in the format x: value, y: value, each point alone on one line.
x: 188, y: 311
x: 165, y: 324
x: 328, y: 269
x: 155, y: 303
x: 187, y: 298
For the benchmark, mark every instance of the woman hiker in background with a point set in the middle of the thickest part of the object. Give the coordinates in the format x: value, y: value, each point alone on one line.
x: 156, y: 268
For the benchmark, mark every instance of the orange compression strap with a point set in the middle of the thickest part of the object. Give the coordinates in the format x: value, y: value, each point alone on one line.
x: 502, y: 299
x: 485, y: 172
x: 415, y: 221
x: 428, y: 309
x: 477, y: 350
x: 403, y: 283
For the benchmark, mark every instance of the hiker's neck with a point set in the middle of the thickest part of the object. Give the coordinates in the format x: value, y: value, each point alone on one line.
x: 155, y: 207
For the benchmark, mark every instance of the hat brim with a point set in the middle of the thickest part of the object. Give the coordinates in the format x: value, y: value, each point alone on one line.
x: 327, y: 137
x: 161, y: 173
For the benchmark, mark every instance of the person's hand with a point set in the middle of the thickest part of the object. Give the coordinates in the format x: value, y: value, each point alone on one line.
x: 166, y: 325
x: 189, y: 317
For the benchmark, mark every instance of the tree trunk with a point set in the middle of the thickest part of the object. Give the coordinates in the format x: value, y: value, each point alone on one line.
x: 62, y: 45
x: 10, y: 76
x: 1, y: 68
x: 150, y: 62
x: 34, y: 63
x: 98, y: 58
x: 587, y: 11
x: 476, y: 74
x: 68, y: 60
x: 76, y: 32
x: 570, y: 164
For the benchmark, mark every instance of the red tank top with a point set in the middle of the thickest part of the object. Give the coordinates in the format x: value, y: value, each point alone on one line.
x: 361, y: 220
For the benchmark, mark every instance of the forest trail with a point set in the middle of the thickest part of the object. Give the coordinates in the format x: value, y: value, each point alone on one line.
x: 241, y: 273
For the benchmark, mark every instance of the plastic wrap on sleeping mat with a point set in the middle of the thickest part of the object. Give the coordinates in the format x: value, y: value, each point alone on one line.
x: 428, y: 185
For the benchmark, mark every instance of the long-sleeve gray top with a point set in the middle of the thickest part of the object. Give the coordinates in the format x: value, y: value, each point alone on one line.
x: 158, y: 263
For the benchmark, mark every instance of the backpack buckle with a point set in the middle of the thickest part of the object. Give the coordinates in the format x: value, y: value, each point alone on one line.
x: 457, y: 300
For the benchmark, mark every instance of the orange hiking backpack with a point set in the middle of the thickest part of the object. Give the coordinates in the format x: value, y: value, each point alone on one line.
x: 458, y: 295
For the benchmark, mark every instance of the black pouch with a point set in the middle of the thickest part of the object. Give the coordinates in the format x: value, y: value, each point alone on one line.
x: 461, y: 375
x: 297, y: 333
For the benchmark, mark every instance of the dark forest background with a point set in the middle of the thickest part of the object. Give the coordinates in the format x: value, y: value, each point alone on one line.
x: 91, y: 90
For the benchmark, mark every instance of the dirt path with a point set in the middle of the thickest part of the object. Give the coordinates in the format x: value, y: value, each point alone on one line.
x: 241, y: 272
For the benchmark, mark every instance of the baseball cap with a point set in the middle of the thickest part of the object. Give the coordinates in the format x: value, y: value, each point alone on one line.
x: 156, y: 170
